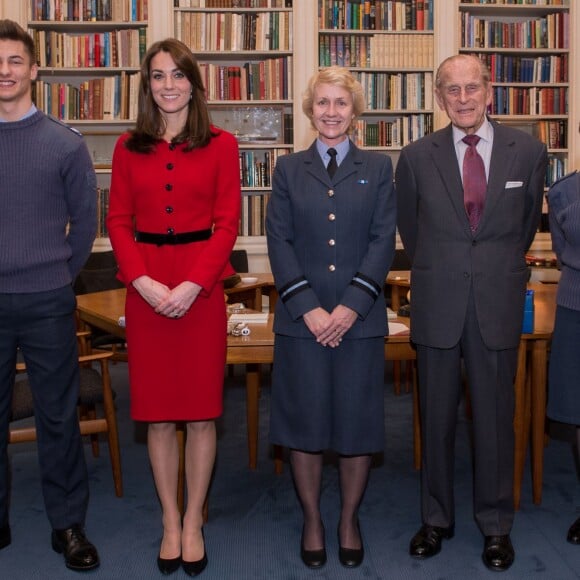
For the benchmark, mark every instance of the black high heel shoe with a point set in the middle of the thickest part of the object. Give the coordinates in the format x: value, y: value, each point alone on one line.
x: 574, y: 533
x: 351, y: 557
x: 312, y: 558
x: 168, y: 565
x: 198, y: 566
x: 195, y: 568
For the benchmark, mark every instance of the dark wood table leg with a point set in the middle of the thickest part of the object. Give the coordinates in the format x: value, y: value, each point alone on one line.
x: 519, y: 423
x: 538, y: 398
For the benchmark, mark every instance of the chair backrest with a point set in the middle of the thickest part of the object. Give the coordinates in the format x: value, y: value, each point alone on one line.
x: 99, y: 273
x: 239, y: 260
x: 401, y: 261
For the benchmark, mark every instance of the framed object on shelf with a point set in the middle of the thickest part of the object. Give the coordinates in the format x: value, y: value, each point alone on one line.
x: 101, y: 145
x: 252, y: 124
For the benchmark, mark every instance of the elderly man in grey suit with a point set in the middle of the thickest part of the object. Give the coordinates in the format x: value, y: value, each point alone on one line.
x: 469, y: 200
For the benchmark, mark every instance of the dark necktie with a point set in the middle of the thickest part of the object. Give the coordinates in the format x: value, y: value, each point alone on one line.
x: 474, y: 181
x: 332, y: 164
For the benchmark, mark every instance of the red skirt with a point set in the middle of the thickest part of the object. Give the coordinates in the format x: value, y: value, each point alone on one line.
x: 176, y: 366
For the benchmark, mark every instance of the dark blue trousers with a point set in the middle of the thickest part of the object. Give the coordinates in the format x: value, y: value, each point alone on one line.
x: 42, y: 326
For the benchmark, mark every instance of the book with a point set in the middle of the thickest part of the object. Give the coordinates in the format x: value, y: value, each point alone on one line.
x: 248, y: 317
x: 396, y: 328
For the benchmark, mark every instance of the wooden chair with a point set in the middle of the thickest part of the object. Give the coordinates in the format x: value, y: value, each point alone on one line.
x: 401, y: 262
x: 95, y: 391
x: 98, y: 274
x: 239, y: 260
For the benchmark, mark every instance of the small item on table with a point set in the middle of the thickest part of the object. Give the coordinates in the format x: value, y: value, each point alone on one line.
x: 238, y: 329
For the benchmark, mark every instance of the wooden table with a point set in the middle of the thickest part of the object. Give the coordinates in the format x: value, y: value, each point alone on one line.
x: 531, y: 391
x: 400, y: 283
x: 103, y: 310
x: 251, y: 293
x: 530, y: 383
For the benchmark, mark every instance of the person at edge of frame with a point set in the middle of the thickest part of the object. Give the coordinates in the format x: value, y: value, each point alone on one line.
x: 48, y: 221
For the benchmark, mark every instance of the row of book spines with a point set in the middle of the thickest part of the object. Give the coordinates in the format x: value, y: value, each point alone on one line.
x: 109, y: 98
x: 549, y: 32
x: 376, y: 14
x: 232, y: 3
x: 553, y: 133
x: 102, y: 210
x: 556, y: 169
x: 529, y: 101
x: 253, y: 215
x: 518, y: 69
x: 397, y: 91
x: 230, y: 31
x: 90, y: 10
x: 257, y: 167
x: 521, y: 2
x: 376, y: 51
x: 396, y: 132
x: 119, y: 48
x: 269, y: 79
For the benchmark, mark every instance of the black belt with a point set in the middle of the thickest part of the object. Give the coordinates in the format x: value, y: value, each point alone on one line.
x: 172, y: 239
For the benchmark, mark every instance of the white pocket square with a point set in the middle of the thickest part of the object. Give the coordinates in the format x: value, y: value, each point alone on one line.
x: 512, y: 184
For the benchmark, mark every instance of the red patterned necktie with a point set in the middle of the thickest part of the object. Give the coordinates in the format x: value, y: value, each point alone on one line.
x: 474, y: 181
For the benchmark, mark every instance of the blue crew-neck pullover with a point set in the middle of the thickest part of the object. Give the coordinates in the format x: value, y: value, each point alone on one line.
x: 47, y: 204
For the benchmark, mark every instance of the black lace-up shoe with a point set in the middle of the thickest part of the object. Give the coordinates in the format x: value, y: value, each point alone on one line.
x: 79, y: 553
x: 427, y: 541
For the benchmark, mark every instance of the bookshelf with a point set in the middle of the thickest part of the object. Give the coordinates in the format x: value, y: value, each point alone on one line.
x: 527, y: 45
x: 445, y: 39
x: 245, y: 49
x: 89, y: 53
x: 389, y: 47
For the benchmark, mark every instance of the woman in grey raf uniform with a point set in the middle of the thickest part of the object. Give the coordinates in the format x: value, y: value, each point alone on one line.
x: 331, y: 239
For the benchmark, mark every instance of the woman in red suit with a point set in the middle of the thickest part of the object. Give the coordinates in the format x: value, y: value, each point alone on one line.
x: 173, y: 219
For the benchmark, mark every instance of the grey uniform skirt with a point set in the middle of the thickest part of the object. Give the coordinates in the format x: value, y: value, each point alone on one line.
x: 564, y: 370
x: 328, y: 398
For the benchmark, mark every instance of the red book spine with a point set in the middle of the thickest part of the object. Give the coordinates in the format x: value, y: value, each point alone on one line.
x: 237, y: 83
x: 420, y: 15
x: 231, y: 83
x: 97, y: 50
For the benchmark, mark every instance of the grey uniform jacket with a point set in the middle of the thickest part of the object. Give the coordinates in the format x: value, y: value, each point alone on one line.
x: 331, y: 241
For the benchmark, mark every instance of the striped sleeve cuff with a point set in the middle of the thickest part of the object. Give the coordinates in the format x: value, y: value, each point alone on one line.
x: 292, y: 288
x: 366, y: 284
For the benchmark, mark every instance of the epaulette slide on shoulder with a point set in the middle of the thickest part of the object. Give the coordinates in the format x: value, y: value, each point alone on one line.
x: 63, y: 124
x: 568, y: 175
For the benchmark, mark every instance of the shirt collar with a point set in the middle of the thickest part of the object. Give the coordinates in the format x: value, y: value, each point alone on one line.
x: 30, y: 112
x: 485, y: 132
x: 342, y: 150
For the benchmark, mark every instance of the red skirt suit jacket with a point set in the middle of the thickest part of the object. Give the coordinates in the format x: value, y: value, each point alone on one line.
x: 176, y: 365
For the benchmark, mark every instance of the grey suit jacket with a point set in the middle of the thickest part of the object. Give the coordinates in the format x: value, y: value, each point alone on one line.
x: 331, y: 241
x: 448, y: 260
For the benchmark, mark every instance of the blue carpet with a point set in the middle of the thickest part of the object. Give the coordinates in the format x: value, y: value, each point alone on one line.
x: 254, y: 526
